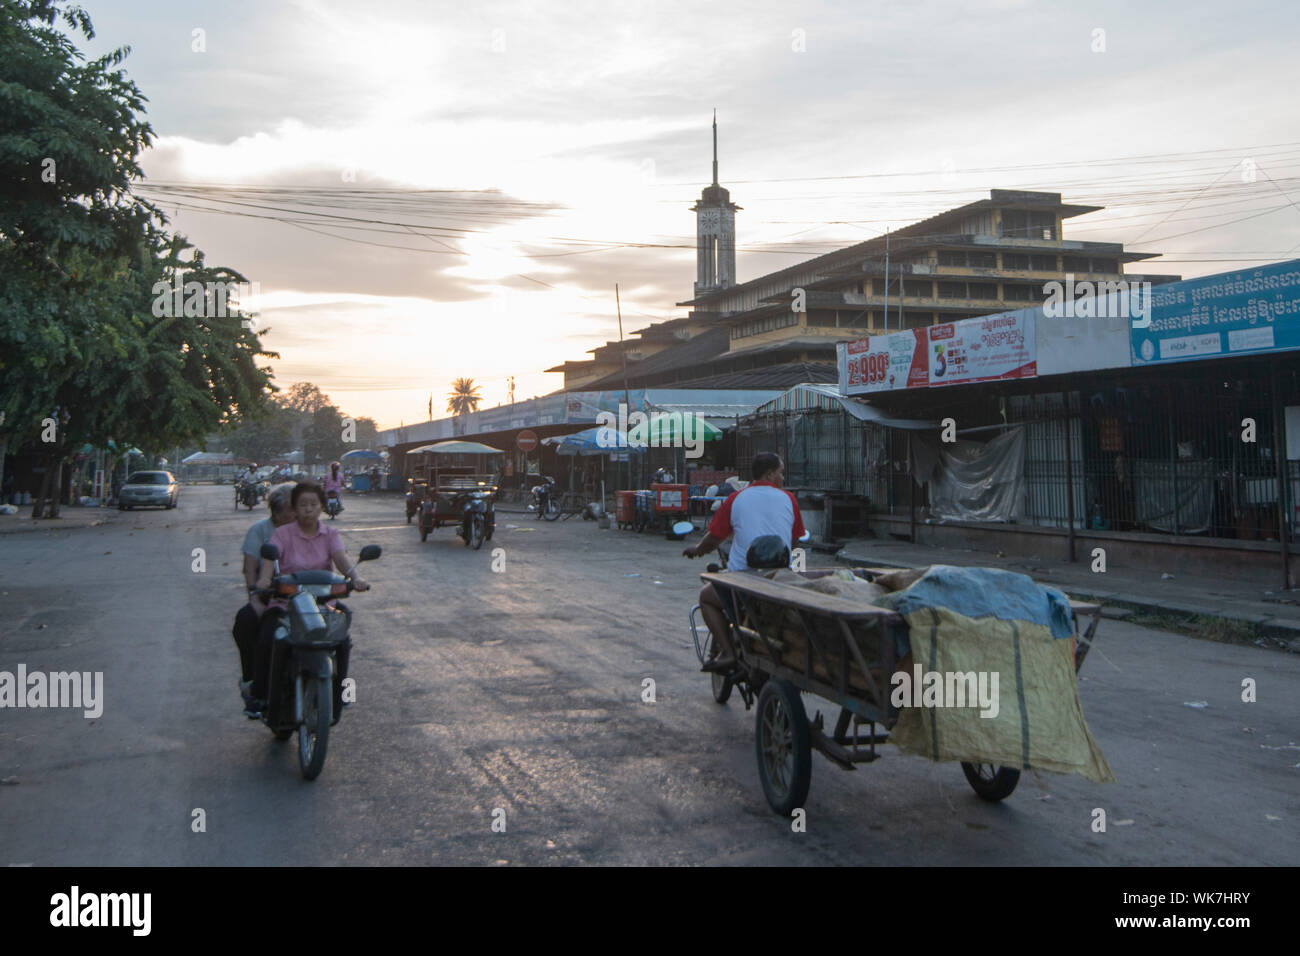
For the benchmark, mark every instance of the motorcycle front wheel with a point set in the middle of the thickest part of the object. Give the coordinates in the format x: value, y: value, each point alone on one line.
x: 314, y: 731
x: 552, y: 510
x: 476, y: 531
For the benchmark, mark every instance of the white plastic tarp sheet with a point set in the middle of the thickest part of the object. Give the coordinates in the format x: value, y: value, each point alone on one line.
x: 971, y: 480
x: 1153, y: 493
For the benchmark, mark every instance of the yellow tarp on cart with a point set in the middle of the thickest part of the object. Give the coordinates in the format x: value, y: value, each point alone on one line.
x: 1039, y: 719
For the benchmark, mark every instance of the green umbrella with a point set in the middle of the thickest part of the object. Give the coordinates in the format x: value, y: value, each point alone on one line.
x: 671, y: 429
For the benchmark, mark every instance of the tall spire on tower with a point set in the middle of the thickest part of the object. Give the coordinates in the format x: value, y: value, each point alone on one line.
x: 715, y: 232
x: 715, y: 146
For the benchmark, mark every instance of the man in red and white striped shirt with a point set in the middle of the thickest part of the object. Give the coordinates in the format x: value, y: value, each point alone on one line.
x: 761, y: 508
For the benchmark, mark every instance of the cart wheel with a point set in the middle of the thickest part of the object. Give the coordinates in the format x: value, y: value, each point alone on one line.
x: 990, y: 782
x: 783, y: 747
x: 721, y: 688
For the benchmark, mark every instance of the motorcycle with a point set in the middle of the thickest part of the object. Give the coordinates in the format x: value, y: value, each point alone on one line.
x: 477, y: 518
x: 414, y: 495
x: 304, y: 656
x: 544, y: 500
x: 765, y: 553
x: 246, y: 495
x: 333, y: 505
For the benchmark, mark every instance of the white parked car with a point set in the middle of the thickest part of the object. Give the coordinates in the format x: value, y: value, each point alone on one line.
x: 149, y: 488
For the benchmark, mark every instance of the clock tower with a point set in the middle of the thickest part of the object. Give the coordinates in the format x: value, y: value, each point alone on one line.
x: 715, y: 232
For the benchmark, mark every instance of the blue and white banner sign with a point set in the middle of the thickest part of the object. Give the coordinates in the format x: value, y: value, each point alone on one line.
x: 1232, y: 313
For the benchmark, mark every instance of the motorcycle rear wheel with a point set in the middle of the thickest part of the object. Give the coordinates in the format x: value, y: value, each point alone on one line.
x: 552, y: 510
x: 314, y: 731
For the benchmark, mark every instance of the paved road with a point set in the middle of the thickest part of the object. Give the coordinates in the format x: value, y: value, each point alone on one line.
x: 521, y: 690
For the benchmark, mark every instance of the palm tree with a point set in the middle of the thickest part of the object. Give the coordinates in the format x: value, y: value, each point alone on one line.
x: 464, y: 397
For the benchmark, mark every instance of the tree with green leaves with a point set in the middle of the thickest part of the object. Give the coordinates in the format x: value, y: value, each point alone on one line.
x: 323, y: 439
x: 464, y: 397
x: 89, y: 348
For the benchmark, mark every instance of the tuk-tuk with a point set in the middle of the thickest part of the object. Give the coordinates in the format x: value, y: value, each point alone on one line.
x: 454, y: 482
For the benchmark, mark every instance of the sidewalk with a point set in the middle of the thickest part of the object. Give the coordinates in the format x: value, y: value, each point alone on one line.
x: 70, y: 516
x: 1261, y: 614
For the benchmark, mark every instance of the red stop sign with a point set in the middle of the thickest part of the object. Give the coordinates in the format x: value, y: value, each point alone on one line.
x: 526, y: 441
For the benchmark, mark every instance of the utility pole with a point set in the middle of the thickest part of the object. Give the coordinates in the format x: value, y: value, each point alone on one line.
x: 900, y: 297
x: 511, y: 392
x: 886, y: 280
x: 627, y: 395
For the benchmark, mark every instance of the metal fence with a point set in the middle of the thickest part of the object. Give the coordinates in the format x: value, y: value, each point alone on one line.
x: 1179, y: 458
x: 830, y: 451
x: 1186, y: 456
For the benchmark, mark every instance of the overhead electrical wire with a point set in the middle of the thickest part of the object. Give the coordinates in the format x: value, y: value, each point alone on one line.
x: 320, y: 209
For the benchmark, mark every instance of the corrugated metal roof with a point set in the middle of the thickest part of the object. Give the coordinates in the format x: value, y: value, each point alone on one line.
x: 807, y: 397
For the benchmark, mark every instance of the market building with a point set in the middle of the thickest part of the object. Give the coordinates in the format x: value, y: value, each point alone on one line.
x: 779, y: 330
x: 1164, y: 430
x: 985, y: 318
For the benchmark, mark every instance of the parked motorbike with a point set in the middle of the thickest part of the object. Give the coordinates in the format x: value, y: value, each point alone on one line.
x: 333, y: 505
x: 545, y: 500
x: 427, y: 508
x: 415, y: 493
x: 304, y: 656
x: 477, y: 517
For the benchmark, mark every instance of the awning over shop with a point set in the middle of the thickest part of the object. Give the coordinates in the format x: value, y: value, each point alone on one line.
x: 809, y: 397
x: 209, y: 458
x: 456, y: 448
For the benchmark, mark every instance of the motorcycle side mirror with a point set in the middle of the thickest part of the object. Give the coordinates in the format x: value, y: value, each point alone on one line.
x: 371, y: 552
x: 270, y: 552
x: 805, y: 537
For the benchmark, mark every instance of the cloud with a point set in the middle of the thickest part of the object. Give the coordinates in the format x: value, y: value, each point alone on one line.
x: 589, y: 124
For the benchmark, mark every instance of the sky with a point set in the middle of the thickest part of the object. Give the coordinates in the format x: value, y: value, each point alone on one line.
x: 504, y: 164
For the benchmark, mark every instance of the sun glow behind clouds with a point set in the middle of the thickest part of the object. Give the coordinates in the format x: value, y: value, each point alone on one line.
x: 383, y: 356
x: 515, y: 327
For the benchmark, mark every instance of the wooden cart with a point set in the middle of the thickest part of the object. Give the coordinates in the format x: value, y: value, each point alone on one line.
x: 792, y: 640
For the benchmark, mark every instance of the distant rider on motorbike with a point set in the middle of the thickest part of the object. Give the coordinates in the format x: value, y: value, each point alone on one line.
x: 334, y: 483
